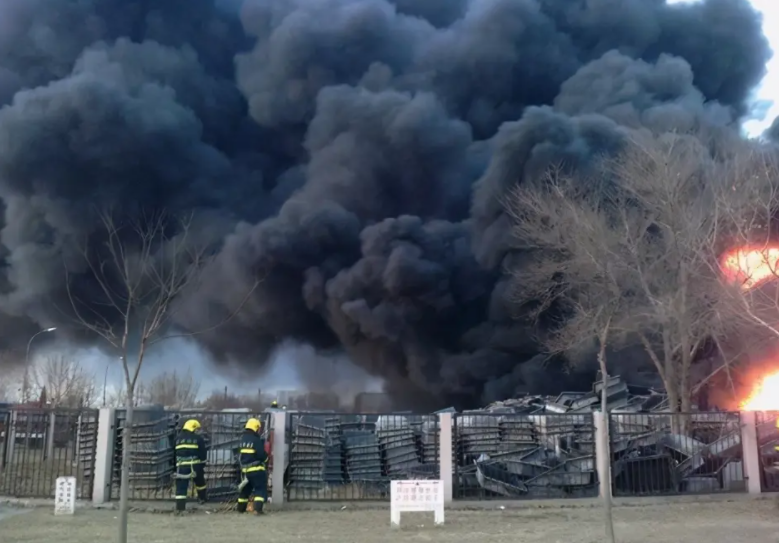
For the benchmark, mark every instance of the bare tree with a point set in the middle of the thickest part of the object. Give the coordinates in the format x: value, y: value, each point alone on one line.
x: 10, y: 379
x: 627, y: 253
x: 746, y: 207
x: 141, y: 269
x: 66, y: 382
x: 171, y: 389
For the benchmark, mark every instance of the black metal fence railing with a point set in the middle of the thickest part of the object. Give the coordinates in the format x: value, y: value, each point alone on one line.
x: 354, y: 457
x: 767, y: 443
x: 524, y: 456
x: 39, y: 445
x: 152, y: 459
x: 680, y: 453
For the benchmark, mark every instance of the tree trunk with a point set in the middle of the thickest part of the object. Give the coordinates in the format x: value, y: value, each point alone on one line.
x: 606, y: 445
x: 124, y: 488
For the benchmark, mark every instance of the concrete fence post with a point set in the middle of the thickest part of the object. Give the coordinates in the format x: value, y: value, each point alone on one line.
x: 279, y: 429
x: 11, y: 437
x: 602, y: 457
x: 50, y: 435
x: 750, y: 450
x: 445, y: 454
x: 104, y: 455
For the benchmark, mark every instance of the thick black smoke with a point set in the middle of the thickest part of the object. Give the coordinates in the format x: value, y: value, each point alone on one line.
x: 358, y: 150
x: 773, y: 131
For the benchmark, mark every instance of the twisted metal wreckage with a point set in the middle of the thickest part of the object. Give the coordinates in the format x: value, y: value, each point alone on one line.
x: 528, y: 447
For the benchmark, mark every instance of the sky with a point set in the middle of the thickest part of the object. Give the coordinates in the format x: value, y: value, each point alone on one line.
x: 767, y: 95
x: 283, y: 374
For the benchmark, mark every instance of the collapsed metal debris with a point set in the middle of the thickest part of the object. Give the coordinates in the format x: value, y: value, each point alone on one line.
x: 527, y: 447
x: 544, y: 447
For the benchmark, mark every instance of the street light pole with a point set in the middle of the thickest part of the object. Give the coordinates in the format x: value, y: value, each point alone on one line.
x: 25, y: 385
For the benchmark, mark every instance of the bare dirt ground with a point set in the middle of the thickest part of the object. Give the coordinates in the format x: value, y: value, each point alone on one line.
x: 734, y: 522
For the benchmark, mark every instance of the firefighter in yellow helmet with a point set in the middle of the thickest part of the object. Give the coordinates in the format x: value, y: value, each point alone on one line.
x: 254, y: 461
x: 274, y: 404
x: 190, y: 463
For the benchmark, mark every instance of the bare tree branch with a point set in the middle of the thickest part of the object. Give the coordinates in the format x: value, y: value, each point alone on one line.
x: 142, y: 268
x: 629, y: 249
x: 66, y: 382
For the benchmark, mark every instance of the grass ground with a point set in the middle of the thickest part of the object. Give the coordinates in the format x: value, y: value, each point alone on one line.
x: 734, y: 522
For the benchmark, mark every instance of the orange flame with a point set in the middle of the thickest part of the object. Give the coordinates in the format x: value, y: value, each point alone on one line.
x: 765, y: 397
x: 751, y: 267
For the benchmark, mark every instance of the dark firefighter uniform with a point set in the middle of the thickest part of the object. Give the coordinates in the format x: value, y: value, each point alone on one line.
x: 254, y: 461
x: 190, y: 463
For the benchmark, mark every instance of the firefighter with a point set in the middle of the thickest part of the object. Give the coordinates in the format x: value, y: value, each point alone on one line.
x: 274, y: 404
x: 190, y: 464
x: 254, y: 460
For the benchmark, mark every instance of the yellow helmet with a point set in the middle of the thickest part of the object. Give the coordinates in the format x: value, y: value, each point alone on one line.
x: 274, y: 403
x: 192, y: 425
x: 253, y: 424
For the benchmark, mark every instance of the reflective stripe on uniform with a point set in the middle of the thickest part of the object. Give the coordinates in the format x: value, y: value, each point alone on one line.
x: 243, y: 500
x: 248, y: 451
x: 181, y: 497
x: 187, y: 446
x: 200, y: 487
x: 255, y: 468
x: 259, y: 499
x: 188, y: 463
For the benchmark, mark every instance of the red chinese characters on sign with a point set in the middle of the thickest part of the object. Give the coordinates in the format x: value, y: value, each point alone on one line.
x: 414, y: 493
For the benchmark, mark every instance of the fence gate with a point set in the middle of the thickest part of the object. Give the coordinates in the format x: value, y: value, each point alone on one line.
x: 39, y: 445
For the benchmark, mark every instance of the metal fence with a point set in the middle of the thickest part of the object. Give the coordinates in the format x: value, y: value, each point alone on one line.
x: 152, y: 459
x: 354, y: 457
x: 767, y: 443
x: 663, y: 454
x: 39, y: 445
x: 524, y: 456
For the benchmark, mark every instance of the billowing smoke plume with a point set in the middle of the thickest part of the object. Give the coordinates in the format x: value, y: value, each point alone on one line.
x: 773, y: 131
x: 357, y: 152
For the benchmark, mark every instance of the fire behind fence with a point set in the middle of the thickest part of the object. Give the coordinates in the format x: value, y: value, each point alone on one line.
x: 767, y: 443
x: 661, y: 453
x: 152, y: 460
x: 513, y: 456
x: 354, y: 457
x: 39, y: 445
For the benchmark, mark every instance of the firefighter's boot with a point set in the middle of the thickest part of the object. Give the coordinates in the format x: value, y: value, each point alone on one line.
x: 258, y: 508
x: 241, y: 507
x: 181, y: 506
x: 202, y: 496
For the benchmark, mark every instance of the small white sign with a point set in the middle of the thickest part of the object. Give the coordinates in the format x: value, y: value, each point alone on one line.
x: 65, y: 496
x: 416, y: 496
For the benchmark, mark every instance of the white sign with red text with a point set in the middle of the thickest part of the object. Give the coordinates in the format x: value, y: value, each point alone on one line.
x: 417, y: 496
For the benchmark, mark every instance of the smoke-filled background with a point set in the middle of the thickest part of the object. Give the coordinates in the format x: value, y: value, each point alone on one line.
x: 353, y: 153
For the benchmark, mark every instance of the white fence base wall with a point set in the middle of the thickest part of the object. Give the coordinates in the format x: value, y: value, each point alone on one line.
x: 104, y: 455
x: 749, y: 445
x: 280, y: 455
x: 445, y: 454
x: 107, y: 433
